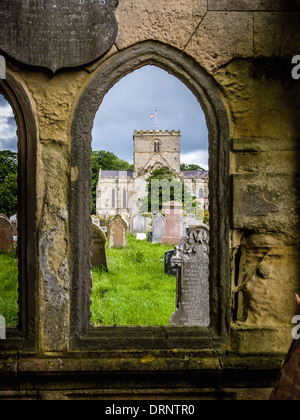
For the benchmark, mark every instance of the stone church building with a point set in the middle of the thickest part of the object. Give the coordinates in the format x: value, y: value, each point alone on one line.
x: 236, y: 57
x: 121, y: 191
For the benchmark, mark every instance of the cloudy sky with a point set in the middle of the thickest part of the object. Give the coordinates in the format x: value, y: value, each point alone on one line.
x: 8, y: 128
x: 128, y: 105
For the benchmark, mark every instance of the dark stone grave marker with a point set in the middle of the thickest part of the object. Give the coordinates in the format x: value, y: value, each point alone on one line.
x: 191, y: 260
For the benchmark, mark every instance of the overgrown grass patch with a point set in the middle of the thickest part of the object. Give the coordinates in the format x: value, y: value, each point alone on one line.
x: 9, y: 288
x: 135, y: 290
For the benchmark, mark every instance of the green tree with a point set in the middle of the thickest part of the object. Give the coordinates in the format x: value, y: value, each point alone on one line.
x: 191, y: 167
x: 107, y: 161
x: 8, y: 164
x: 167, y: 181
x: 9, y: 195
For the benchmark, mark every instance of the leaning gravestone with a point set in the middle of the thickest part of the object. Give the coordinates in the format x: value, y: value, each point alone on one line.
x: 117, y: 232
x: 6, y: 235
x: 158, y: 227
x: 99, y: 257
x: 57, y: 34
x: 191, y: 260
x: 138, y: 224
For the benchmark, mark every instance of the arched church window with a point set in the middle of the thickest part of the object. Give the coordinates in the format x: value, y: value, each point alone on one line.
x: 124, y: 199
x: 113, y: 199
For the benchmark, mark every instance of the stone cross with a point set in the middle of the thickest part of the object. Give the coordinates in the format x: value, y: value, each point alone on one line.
x: 191, y: 260
x: 117, y: 232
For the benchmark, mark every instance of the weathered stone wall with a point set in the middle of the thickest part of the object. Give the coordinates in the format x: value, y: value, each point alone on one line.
x: 246, y: 47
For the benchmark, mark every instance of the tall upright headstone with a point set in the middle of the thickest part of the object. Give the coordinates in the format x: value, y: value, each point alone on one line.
x: 158, y: 227
x: 138, y: 224
x: 6, y: 235
x: 99, y: 257
x: 117, y: 232
x: 172, y: 231
x: 191, y: 260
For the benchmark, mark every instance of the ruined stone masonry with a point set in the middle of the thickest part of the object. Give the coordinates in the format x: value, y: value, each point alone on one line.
x: 235, y: 56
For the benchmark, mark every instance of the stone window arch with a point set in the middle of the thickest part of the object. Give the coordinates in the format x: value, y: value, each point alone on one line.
x: 206, y: 91
x: 24, y: 334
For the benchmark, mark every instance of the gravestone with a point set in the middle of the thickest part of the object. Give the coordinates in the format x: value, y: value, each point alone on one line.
x: 2, y: 328
x: 99, y: 257
x: 183, y: 227
x: 172, y: 230
x: 191, y: 260
x: 57, y: 34
x: 117, y: 232
x: 6, y: 235
x: 141, y: 236
x: 169, y: 268
x: 191, y: 220
x: 14, y: 222
x: 158, y: 227
x: 138, y: 224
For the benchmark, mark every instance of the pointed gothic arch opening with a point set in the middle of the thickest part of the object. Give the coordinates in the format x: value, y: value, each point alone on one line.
x: 204, y: 88
x: 24, y: 333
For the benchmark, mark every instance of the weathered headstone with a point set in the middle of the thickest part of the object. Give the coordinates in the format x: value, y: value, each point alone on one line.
x: 169, y: 268
x: 183, y: 227
x: 191, y: 220
x: 57, y: 34
x: 141, y: 236
x: 191, y: 260
x: 138, y: 224
x: 117, y: 232
x: 158, y: 227
x: 6, y: 235
x: 14, y: 222
x: 99, y: 257
x: 2, y: 328
x: 172, y: 231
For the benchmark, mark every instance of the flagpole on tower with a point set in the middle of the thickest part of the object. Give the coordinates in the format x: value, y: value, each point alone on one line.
x: 156, y: 119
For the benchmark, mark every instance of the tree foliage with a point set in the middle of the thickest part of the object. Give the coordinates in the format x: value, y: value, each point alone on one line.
x: 169, y: 187
x: 190, y: 167
x: 8, y: 182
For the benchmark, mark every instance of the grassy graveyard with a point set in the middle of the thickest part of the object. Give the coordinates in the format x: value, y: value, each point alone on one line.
x: 135, y: 291
x: 9, y: 288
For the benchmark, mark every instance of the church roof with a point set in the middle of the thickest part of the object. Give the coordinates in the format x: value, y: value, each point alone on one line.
x: 115, y: 174
x: 194, y: 174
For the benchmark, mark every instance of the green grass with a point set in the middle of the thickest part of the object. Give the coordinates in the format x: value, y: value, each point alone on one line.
x: 9, y: 288
x: 135, y: 290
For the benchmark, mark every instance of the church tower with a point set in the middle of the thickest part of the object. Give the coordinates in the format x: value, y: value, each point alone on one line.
x: 156, y: 149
